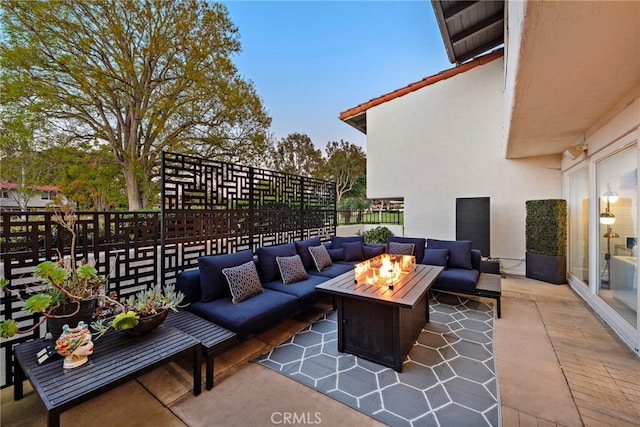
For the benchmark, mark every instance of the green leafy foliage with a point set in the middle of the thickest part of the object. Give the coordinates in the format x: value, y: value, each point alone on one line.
x: 377, y: 235
x: 297, y: 155
x: 346, y: 165
x: 546, y: 227
x: 8, y: 328
x: 37, y: 303
x: 142, y: 77
x: 125, y: 320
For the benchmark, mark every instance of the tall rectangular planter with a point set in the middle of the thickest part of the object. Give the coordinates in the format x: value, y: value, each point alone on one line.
x: 547, y: 268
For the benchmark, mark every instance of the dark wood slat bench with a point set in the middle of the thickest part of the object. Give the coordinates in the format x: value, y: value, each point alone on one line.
x: 213, y: 339
x: 489, y: 286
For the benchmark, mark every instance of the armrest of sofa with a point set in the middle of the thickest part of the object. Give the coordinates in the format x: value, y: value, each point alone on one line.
x: 188, y: 282
x: 476, y: 259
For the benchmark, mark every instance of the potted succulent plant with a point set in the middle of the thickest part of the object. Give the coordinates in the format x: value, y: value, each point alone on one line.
x: 68, y: 288
x: 142, y: 312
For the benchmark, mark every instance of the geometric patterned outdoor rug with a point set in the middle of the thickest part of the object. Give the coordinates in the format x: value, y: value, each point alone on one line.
x: 448, y: 378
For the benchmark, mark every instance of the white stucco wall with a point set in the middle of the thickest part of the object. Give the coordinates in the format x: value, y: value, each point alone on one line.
x: 446, y: 141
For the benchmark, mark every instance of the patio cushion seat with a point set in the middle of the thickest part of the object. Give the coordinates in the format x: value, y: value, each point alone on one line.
x: 249, y: 316
x: 335, y: 270
x: 304, y: 290
x: 457, y: 279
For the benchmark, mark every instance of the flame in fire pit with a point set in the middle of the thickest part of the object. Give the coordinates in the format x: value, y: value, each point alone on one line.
x: 384, y: 270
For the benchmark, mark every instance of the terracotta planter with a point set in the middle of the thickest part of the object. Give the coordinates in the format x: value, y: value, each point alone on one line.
x: 148, y: 323
x: 54, y: 325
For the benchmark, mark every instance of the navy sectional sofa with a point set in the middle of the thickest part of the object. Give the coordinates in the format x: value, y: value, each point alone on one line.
x: 207, y: 291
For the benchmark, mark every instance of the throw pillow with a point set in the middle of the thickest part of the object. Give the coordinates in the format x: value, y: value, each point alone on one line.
x: 320, y: 257
x: 339, y: 241
x: 302, y: 248
x: 418, y: 250
x: 396, y: 248
x: 436, y: 257
x: 244, y: 282
x: 213, y: 284
x: 459, y: 251
x: 291, y: 269
x: 267, y: 258
x: 353, y: 251
x: 336, y: 254
x: 372, y: 251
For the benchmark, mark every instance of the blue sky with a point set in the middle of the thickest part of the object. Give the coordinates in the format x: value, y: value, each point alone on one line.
x: 311, y: 60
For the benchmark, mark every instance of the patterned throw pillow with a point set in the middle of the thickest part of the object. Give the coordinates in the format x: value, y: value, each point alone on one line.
x: 244, y: 282
x: 320, y: 257
x: 291, y: 269
x: 401, y: 248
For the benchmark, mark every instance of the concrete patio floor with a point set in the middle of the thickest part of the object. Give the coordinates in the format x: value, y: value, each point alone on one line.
x: 557, y: 364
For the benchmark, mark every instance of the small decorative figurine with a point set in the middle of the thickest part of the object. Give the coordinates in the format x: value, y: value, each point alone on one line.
x: 75, y: 345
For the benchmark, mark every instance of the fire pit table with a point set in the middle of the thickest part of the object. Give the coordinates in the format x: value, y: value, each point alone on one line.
x: 380, y: 322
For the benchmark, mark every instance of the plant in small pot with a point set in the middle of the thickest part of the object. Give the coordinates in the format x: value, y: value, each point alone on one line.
x: 68, y: 289
x: 140, y: 313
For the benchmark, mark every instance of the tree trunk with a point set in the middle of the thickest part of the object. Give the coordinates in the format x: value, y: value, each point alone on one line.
x: 133, y: 192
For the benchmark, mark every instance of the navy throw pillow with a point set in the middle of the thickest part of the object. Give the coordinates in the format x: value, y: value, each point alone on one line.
x: 436, y: 257
x: 353, y: 251
x: 339, y: 241
x: 372, y: 251
x: 459, y: 251
x: 336, y: 254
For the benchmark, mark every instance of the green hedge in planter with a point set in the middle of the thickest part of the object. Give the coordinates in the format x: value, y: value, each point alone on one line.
x: 546, y: 227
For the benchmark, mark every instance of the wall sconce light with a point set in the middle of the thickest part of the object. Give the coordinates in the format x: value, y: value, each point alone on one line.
x: 575, y: 151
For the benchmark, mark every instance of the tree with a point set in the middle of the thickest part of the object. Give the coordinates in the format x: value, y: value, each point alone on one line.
x: 143, y: 76
x: 297, y: 155
x: 89, y: 177
x: 22, y: 136
x: 346, y: 164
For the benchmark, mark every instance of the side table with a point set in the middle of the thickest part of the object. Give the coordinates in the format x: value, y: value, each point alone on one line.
x: 213, y: 339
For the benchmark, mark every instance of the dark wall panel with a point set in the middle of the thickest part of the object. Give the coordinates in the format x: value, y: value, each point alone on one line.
x: 473, y: 222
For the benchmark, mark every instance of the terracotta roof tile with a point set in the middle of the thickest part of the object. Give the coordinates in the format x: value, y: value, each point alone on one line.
x: 443, y: 75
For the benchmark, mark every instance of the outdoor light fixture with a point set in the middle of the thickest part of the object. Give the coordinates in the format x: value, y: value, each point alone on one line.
x: 608, y: 218
x: 575, y: 151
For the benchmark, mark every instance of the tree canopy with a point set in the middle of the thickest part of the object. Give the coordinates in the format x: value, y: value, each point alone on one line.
x: 346, y: 165
x: 143, y: 76
x: 297, y: 155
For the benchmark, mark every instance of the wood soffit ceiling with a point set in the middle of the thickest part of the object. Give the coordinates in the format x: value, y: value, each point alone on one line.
x: 469, y: 28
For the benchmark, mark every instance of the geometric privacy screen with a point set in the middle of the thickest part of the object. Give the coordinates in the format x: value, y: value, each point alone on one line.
x: 211, y: 207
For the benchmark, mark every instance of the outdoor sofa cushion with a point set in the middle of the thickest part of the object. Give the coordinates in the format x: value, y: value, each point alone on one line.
x: 459, y: 251
x: 304, y: 290
x: 336, y: 254
x: 370, y: 251
x: 269, y: 270
x: 338, y: 241
x: 213, y: 284
x: 302, y: 248
x: 436, y: 257
x: 457, y: 279
x: 335, y: 270
x: 250, y: 316
x: 353, y: 251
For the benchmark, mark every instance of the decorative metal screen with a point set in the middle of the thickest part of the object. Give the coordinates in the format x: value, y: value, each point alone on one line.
x: 211, y: 207
x: 124, y: 246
